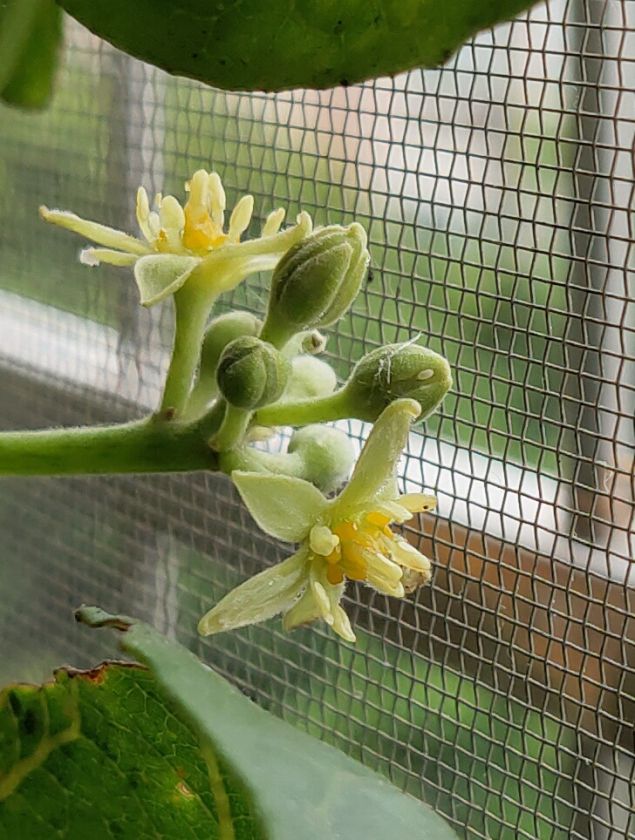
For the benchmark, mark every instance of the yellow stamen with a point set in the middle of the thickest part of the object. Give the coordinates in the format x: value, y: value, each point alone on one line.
x: 353, y: 562
x: 217, y: 199
x: 378, y: 519
x: 335, y: 556
x: 199, y: 232
x: 202, y: 231
x: 346, y: 531
x: 334, y: 575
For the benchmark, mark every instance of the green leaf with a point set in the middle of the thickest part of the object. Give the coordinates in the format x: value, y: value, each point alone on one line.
x: 284, y: 507
x: 175, y: 751
x: 277, y: 45
x: 30, y: 38
x: 102, y: 754
x: 375, y: 472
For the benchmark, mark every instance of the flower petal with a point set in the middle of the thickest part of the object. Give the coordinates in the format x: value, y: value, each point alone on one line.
x: 342, y: 625
x: 240, y: 218
x: 376, y: 467
x: 259, y: 598
x: 143, y: 214
x: 280, y: 242
x: 160, y: 275
x: 95, y: 256
x: 172, y: 220
x: 232, y: 263
x: 217, y: 199
x: 322, y: 600
x: 283, y: 506
x: 101, y: 234
x: 393, y: 510
x: 303, y: 611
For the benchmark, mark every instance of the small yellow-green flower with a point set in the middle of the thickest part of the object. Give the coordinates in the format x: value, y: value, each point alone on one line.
x: 345, y: 538
x: 180, y: 242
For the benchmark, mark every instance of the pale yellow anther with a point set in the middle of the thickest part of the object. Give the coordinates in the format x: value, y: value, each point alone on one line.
x: 240, y: 217
x: 199, y: 190
x: 171, y: 215
x: 216, y: 199
x: 154, y: 225
x: 273, y: 222
x: 143, y: 214
x: 322, y: 540
x: 380, y: 566
x: 410, y: 558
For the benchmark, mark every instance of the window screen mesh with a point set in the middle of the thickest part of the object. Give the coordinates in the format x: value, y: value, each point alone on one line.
x: 496, y: 192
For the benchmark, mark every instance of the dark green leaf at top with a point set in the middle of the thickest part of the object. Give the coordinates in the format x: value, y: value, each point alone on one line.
x: 30, y: 38
x: 253, y: 45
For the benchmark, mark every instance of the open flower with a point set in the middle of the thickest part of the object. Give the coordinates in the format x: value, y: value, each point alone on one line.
x: 183, y: 242
x: 345, y: 538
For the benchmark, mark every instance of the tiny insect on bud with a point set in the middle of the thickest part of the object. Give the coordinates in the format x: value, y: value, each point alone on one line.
x: 251, y: 373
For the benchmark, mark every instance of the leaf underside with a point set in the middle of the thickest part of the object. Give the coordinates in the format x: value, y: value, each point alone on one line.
x: 279, y: 45
x: 173, y: 750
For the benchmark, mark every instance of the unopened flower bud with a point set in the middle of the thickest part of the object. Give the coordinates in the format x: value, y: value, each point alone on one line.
x: 310, y: 377
x: 219, y: 333
x: 327, y: 455
x: 251, y: 373
x: 395, y: 371
x: 316, y: 281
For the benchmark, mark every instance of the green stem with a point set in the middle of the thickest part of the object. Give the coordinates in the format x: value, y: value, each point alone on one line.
x: 139, y: 447
x: 192, y: 306
x: 323, y: 410
x: 277, y: 334
x: 256, y: 460
x: 232, y: 429
x: 199, y: 399
x: 210, y: 422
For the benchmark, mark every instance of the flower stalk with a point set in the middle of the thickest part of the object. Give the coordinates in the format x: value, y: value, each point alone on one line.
x: 191, y: 308
x: 139, y: 447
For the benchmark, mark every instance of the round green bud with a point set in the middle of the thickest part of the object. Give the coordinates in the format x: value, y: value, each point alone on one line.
x: 251, y: 373
x: 220, y: 332
x: 316, y: 281
x: 395, y: 371
x: 327, y: 455
x: 310, y: 377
